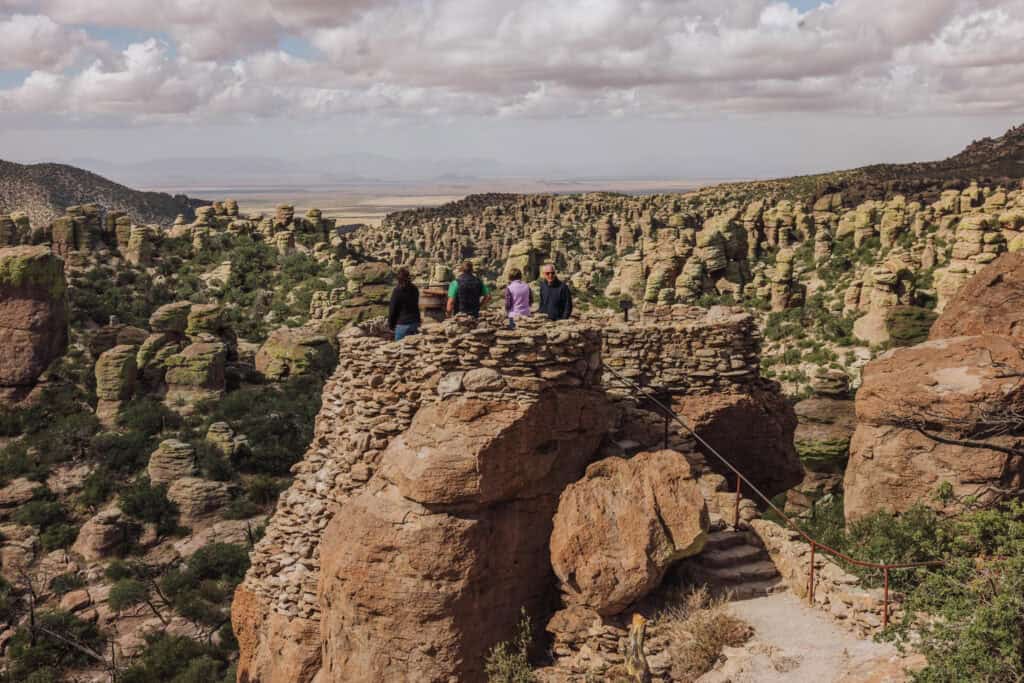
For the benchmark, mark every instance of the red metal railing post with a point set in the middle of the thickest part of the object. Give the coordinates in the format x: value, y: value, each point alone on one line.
x: 810, y: 587
x: 736, y: 511
x: 885, y: 606
x: 666, y: 431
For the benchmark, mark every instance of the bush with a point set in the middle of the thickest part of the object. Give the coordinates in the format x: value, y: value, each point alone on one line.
x: 58, y: 536
x: 212, y: 462
x: 202, y: 591
x: 263, y: 490
x: 148, y: 416
x: 277, y: 419
x: 698, y: 628
x: 509, y: 662
x: 65, y: 583
x: 177, y: 659
x: 42, y: 653
x: 148, y: 503
x: 97, y: 488
x: 122, y: 452
x: 127, y: 593
x: 909, y: 325
x: 40, y: 513
x: 241, y: 508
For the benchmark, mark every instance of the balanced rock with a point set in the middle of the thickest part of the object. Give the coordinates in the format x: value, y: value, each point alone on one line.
x: 295, y: 351
x: 619, y: 529
x: 196, y: 373
x: 205, y: 318
x: 171, y: 317
x: 171, y: 460
x: 33, y: 313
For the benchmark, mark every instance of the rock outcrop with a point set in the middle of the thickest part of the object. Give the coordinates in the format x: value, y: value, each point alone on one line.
x: 459, y: 515
x: 926, y: 417
x: 33, y: 315
x: 992, y: 302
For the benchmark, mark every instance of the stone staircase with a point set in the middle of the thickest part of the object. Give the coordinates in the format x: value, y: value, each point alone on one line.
x: 733, y: 564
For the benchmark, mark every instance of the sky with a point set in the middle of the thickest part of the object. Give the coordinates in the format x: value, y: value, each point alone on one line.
x: 623, y: 88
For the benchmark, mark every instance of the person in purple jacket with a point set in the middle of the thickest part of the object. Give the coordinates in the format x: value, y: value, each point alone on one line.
x: 518, y: 298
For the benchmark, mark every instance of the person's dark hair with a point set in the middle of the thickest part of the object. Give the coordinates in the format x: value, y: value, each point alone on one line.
x: 404, y: 279
x: 515, y: 274
x: 467, y: 267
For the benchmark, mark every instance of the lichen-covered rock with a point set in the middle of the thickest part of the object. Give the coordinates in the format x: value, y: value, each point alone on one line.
x: 151, y: 359
x: 115, y: 373
x: 295, y: 351
x: 619, y: 529
x: 171, y: 460
x: 33, y: 313
x: 205, y: 318
x: 196, y: 373
x: 171, y: 317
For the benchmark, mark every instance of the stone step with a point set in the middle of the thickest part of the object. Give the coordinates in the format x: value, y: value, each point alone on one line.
x: 755, y: 589
x: 731, y: 556
x: 721, y: 540
x: 724, y: 576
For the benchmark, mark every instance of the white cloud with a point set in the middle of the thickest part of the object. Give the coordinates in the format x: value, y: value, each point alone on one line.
x: 533, y: 58
x: 37, y: 42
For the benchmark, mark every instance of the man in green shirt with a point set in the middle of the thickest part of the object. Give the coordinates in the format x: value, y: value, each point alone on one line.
x: 468, y: 293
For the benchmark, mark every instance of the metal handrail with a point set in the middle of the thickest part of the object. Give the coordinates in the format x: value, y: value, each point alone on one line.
x: 886, y: 568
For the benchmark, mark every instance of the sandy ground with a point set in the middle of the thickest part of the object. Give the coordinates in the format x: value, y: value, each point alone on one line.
x: 797, y: 644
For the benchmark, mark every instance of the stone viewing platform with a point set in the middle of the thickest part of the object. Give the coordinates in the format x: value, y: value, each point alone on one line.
x: 544, y: 379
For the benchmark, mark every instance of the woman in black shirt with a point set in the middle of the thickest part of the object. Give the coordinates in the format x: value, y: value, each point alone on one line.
x: 404, y: 310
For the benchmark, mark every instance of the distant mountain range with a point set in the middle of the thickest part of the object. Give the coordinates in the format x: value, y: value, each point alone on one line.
x: 44, y: 191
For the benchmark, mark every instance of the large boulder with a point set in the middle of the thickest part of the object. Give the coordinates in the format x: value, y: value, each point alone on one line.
x: 197, y: 499
x: 926, y: 416
x: 295, y: 351
x: 619, y: 529
x: 752, y: 429
x: 171, y: 460
x: 195, y: 374
x: 33, y: 313
x: 428, y: 567
x: 171, y: 318
x: 992, y: 302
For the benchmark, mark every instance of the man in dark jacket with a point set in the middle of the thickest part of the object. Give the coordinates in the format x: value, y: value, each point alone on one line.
x: 555, y: 297
x: 468, y: 294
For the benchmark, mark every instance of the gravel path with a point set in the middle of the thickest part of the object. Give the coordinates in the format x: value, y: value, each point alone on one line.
x: 797, y: 644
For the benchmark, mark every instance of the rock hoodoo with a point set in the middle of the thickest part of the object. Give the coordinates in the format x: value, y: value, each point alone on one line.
x: 33, y: 315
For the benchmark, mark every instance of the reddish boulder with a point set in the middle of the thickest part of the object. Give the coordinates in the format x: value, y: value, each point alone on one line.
x: 428, y: 567
x: 924, y: 417
x: 33, y: 313
x: 619, y: 529
x: 992, y: 302
x: 753, y: 430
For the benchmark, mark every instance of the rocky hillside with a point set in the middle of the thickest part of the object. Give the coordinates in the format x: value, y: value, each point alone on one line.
x: 44, y: 191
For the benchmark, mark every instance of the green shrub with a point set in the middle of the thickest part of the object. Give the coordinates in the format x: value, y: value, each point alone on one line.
x: 241, y: 508
x: 65, y: 583
x: 122, y: 452
x: 58, y: 536
x: 42, y: 653
x: 177, y: 659
x: 202, y: 591
x: 909, y: 325
x: 148, y: 503
x: 148, y: 416
x: 277, y: 419
x: 127, y: 593
x: 212, y: 462
x: 97, y: 488
x: 40, y: 513
x: 263, y: 490
x: 509, y: 661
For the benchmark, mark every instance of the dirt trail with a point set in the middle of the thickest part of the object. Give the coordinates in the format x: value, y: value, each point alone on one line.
x: 797, y: 644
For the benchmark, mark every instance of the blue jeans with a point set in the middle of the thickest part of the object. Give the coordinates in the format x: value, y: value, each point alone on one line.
x: 402, y: 331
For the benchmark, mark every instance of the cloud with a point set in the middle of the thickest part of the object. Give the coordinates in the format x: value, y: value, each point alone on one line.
x: 533, y: 58
x: 37, y: 42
